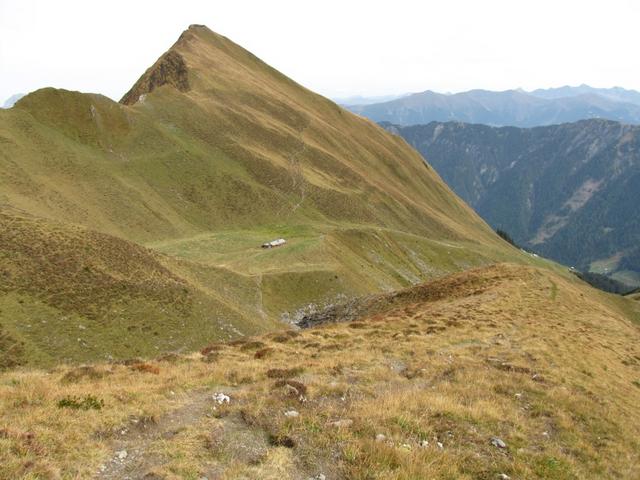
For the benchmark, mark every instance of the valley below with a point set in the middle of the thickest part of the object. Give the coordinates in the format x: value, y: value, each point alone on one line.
x: 567, y: 191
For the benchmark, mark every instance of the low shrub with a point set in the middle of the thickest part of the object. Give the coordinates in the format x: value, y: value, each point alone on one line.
x: 265, y: 352
x: 145, y: 368
x: 284, y: 372
x: 88, y: 402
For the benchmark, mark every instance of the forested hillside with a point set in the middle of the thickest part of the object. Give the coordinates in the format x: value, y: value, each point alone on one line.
x: 569, y: 191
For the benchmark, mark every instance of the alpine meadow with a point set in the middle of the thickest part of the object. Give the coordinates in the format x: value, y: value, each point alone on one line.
x: 225, y: 275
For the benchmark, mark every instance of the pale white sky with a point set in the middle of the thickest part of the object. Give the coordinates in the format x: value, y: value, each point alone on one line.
x: 336, y: 48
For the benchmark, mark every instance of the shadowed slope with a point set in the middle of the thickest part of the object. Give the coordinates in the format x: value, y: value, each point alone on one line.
x: 569, y: 191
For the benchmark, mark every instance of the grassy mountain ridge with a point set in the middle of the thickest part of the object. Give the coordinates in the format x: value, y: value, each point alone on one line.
x: 569, y: 191
x: 74, y: 295
x: 417, y: 385
x: 212, y: 153
x: 286, y: 146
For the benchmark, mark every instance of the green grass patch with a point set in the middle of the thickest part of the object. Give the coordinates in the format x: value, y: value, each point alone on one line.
x: 88, y: 402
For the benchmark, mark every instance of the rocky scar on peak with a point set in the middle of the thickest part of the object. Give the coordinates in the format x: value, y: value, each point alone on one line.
x: 170, y: 69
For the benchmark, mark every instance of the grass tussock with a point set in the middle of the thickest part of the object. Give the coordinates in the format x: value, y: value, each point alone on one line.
x: 87, y: 402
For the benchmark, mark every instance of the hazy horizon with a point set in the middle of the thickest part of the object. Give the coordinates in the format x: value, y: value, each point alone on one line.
x: 404, y: 94
x: 339, y: 50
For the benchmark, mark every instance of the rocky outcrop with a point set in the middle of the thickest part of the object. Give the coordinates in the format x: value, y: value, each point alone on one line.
x: 170, y: 69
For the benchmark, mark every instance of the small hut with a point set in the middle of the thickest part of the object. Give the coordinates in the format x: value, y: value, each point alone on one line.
x: 274, y: 243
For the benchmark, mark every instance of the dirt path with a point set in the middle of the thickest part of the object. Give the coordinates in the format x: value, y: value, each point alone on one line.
x: 131, y: 458
x: 297, y: 175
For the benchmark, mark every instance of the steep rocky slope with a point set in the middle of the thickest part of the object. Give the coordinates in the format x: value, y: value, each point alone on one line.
x: 569, y: 191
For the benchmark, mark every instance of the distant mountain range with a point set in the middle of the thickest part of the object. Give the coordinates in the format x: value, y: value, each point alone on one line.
x: 364, y: 100
x: 616, y: 94
x: 10, y: 102
x: 570, y: 191
x: 509, y: 108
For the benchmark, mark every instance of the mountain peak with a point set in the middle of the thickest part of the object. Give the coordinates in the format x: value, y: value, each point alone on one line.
x: 169, y: 69
x: 196, y: 30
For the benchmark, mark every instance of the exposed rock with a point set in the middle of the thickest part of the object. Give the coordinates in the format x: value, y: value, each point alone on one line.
x: 122, y: 454
x: 497, y: 442
x: 380, y: 437
x: 221, y: 398
x: 292, y: 414
x: 342, y: 312
x: 169, y: 69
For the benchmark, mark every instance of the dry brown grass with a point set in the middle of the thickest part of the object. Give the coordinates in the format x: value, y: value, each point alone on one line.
x: 545, y: 363
x: 145, y: 368
x: 81, y: 271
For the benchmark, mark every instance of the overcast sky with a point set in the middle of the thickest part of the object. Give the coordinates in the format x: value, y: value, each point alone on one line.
x: 336, y: 48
